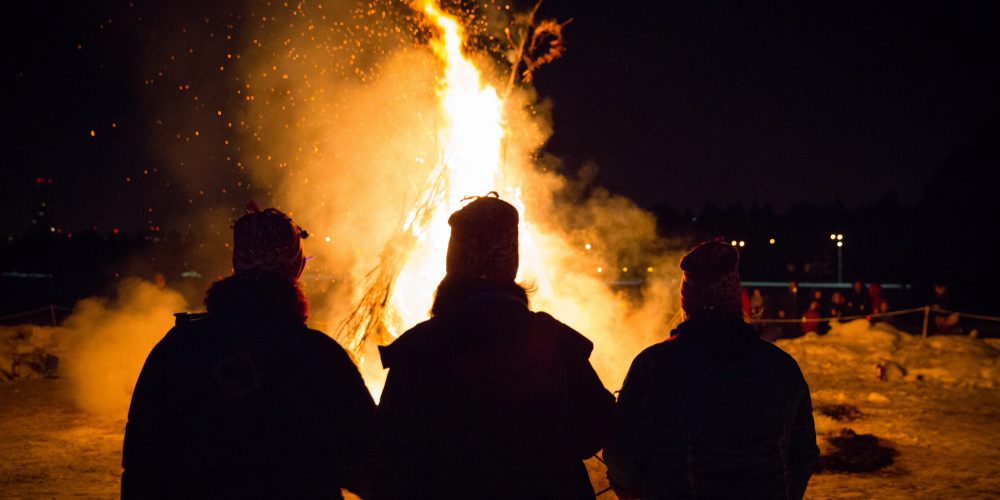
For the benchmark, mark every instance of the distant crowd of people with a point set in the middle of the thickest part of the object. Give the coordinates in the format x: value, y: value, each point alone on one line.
x: 487, y: 399
x: 815, y: 309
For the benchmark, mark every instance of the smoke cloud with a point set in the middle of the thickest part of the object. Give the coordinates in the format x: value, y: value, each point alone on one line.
x: 354, y: 150
x: 329, y: 111
x: 105, y: 342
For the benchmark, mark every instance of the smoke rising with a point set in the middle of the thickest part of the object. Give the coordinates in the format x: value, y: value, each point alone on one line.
x: 348, y: 156
x: 106, y: 341
x: 329, y: 112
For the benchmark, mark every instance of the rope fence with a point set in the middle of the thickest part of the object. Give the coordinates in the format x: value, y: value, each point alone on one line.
x: 51, y: 309
x: 926, y: 310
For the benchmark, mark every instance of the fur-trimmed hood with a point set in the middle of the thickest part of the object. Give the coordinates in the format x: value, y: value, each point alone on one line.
x: 255, y: 297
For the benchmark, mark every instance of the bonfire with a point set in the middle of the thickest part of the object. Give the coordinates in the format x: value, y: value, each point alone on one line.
x: 470, y: 161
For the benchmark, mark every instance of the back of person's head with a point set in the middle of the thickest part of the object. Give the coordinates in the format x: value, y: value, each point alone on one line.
x: 482, y: 254
x: 267, y: 242
x: 483, y: 242
x: 711, y: 283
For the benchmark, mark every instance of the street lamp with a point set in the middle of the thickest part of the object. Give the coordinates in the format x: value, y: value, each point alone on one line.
x: 839, y: 238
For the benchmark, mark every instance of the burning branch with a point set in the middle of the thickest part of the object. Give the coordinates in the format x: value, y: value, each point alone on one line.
x: 546, y: 45
x: 369, y: 317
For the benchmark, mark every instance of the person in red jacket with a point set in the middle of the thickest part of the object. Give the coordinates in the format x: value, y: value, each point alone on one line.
x: 488, y: 399
x: 810, y: 323
x: 245, y: 401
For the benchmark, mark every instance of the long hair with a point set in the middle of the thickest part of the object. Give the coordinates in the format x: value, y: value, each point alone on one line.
x: 455, y: 290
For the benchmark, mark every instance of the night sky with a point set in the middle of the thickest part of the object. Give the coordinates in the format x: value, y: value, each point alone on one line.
x: 682, y: 103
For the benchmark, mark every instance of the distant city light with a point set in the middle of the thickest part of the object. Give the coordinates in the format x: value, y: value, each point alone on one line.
x: 649, y: 269
x: 587, y: 246
x: 771, y: 241
x: 833, y: 236
x: 600, y: 269
x: 840, y: 237
x: 733, y: 243
x: 743, y: 243
x: 840, y: 244
x: 327, y: 239
x: 625, y: 269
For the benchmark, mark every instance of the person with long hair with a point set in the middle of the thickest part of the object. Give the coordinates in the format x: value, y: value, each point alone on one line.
x: 488, y: 399
x: 246, y: 401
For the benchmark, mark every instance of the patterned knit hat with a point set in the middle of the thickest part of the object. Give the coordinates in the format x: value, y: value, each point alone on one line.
x: 483, y: 240
x: 711, y: 280
x: 267, y: 241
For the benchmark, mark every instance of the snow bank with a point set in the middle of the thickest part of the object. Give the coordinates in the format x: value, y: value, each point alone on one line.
x: 862, y: 349
x: 101, y: 346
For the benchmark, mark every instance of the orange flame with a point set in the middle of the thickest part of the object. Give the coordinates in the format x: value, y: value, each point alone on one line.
x: 470, y: 140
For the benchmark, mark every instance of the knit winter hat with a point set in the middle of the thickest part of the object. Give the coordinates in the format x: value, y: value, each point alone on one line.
x: 711, y: 281
x: 483, y: 240
x: 267, y: 241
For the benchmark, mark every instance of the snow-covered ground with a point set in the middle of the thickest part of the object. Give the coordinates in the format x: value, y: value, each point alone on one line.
x: 936, y: 401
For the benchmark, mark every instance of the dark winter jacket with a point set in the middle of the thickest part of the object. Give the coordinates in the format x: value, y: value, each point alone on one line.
x: 245, y: 401
x: 859, y: 303
x: 490, y: 400
x: 713, y: 412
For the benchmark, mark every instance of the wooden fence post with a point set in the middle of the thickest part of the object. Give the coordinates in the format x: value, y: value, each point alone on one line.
x: 927, y: 315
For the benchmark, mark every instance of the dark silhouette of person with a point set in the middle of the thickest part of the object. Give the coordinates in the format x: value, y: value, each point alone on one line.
x: 810, y: 319
x: 824, y: 311
x: 757, y: 304
x: 859, y: 302
x: 790, y: 308
x: 793, y: 306
x: 879, y: 304
x: 838, y: 305
x: 245, y: 401
x: 488, y: 399
x: 714, y: 411
x: 945, y: 320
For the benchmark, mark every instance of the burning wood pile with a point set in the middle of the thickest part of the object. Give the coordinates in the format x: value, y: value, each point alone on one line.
x: 470, y: 161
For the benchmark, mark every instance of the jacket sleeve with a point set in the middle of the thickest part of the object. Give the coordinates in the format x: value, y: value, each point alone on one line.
x: 591, y: 408
x: 632, y: 432
x: 147, y: 453
x: 346, y: 423
x: 403, y: 432
x: 802, y: 445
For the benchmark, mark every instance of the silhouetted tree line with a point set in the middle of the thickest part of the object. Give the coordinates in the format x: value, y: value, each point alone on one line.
x: 948, y: 236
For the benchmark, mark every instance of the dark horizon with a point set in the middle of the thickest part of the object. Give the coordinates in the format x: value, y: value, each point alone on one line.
x: 676, y: 104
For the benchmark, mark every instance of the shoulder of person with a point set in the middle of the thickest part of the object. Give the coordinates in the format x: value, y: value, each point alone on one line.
x: 564, y: 335
x: 186, y: 325
x: 318, y: 339
x: 660, y: 352
x: 417, y: 339
x: 779, y: 356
